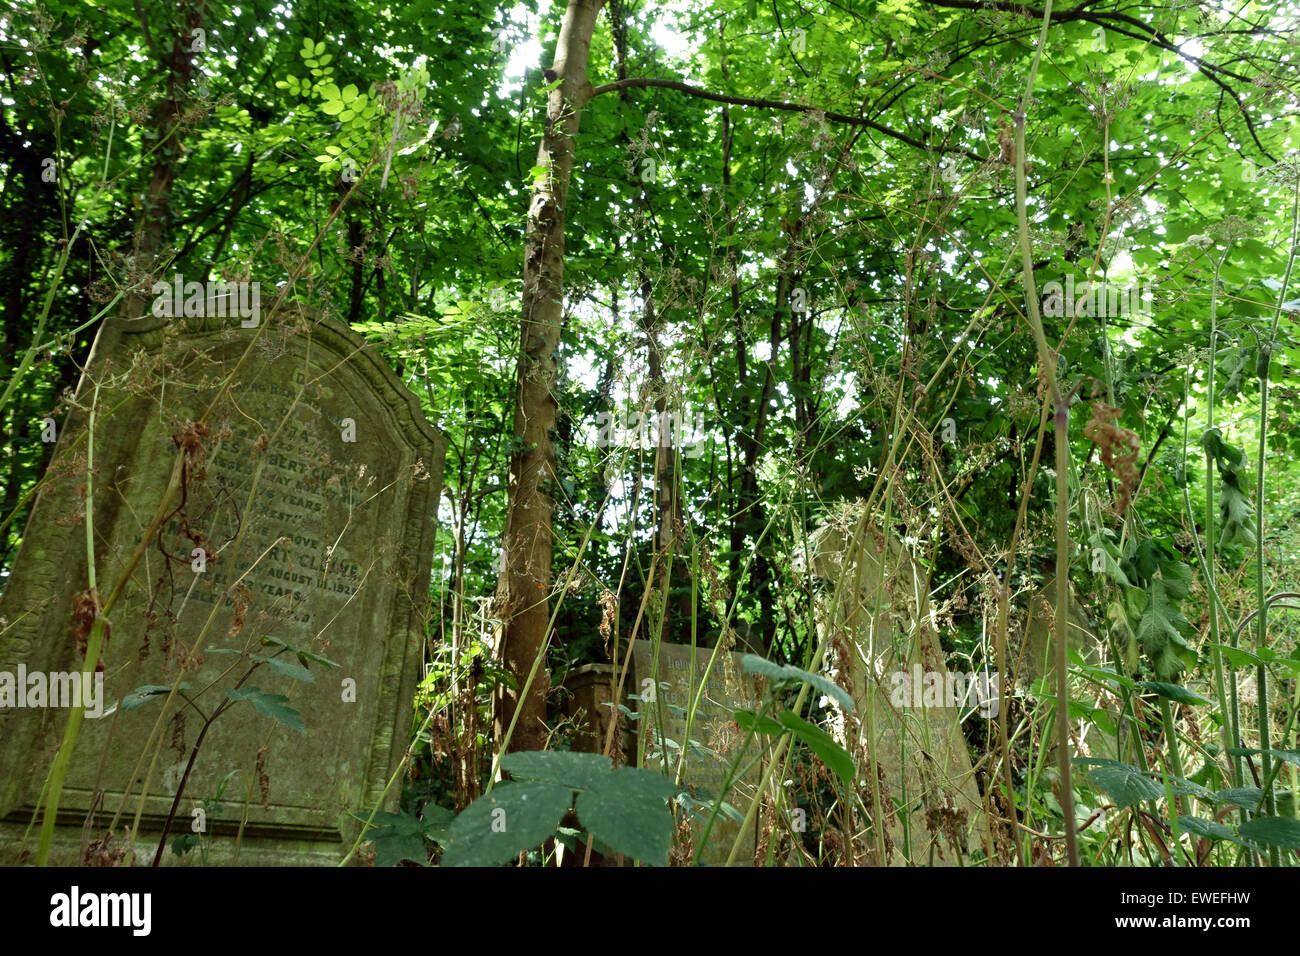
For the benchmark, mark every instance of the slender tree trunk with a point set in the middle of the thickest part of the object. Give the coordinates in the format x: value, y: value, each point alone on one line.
x: 155, y: 220
x: 667, y: 507
x: 526, y: 577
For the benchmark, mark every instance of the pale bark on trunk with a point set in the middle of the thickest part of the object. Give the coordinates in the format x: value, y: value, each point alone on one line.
x: 526, y: 576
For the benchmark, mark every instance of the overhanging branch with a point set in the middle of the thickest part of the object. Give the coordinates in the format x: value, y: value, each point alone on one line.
x: 644, y: 82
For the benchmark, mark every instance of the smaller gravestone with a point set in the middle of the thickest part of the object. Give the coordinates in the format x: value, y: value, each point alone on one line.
x: 874, y: 608
x: 671, y: 680
x: 663, y: 686
x: 1095, y: 738
x: 588, y: 706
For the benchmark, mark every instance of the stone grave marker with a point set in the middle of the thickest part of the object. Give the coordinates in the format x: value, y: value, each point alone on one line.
x: 876, y: 602
x: 306, y: 514
x: 714, y: 739
x: 1038, y: 661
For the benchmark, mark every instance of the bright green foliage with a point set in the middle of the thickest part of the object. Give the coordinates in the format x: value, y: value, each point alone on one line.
x: 626, y: 809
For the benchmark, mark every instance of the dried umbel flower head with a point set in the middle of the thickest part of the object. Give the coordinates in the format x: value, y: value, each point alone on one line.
x: 1119, y: 451
x: 85, y: 609
x: 190, y: 439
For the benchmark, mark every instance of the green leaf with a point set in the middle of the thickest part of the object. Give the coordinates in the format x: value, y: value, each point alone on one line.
x: 1272, y: 831
x: 1290, y: 756
x: 1245, y: 797
x: 304, y: 656
x: 1123, y: 783
x: 1111, y: 559
x: 1236, y: 517
x: 574, y: 770
x: 145, y: 693
x: 753, y: 664
x: 1174, y: 692
x: 1106, y: 676
x: 1238, y: 657
x: 331, y: 107
x: 285, y: 667
x: 397, y: 837
x: 1205, y: 828
x: 498, y: 826
x: 1163, y: 631
x: 275, y: 706
x: 184, y: 843
x: 819, y: 742
x: 628, y: 811
x: 435, y: 821
x: 748, y: 720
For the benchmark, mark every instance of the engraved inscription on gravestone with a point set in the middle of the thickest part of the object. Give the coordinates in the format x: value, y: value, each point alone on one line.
x: 714, y: 739
x: 305, y: 514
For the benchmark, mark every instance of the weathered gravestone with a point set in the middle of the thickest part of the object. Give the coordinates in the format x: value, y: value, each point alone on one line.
x: 909, y: 706
x: 1095, y: 737
x: 712, y: 742
x: 305, y: 514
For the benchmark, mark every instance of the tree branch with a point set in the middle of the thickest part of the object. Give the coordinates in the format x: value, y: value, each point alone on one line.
x: 643, y: 82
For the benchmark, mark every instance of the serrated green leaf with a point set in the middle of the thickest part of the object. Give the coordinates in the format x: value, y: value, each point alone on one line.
x: 576, y: 771
x: 285, y: 667
x: 498, y: 826
x: 435, y: 821
x: 275, y: 706
x: 1272, y: 831
x: 1111, y: 558
x: 1236, y: 516
x: 1237, y: 656
x: 397, y: 837
x: 628, y: 811
x: 1163, y: 631
x: 1244, y: 797
x: 1123, y: 783
x: 1205, y: 828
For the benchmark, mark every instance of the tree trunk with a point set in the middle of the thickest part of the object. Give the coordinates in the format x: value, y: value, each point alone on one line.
x: 526, y: 576
x: 155, y: 219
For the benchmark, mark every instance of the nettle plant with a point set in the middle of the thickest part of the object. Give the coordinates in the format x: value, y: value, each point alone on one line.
x: 625, y: 809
